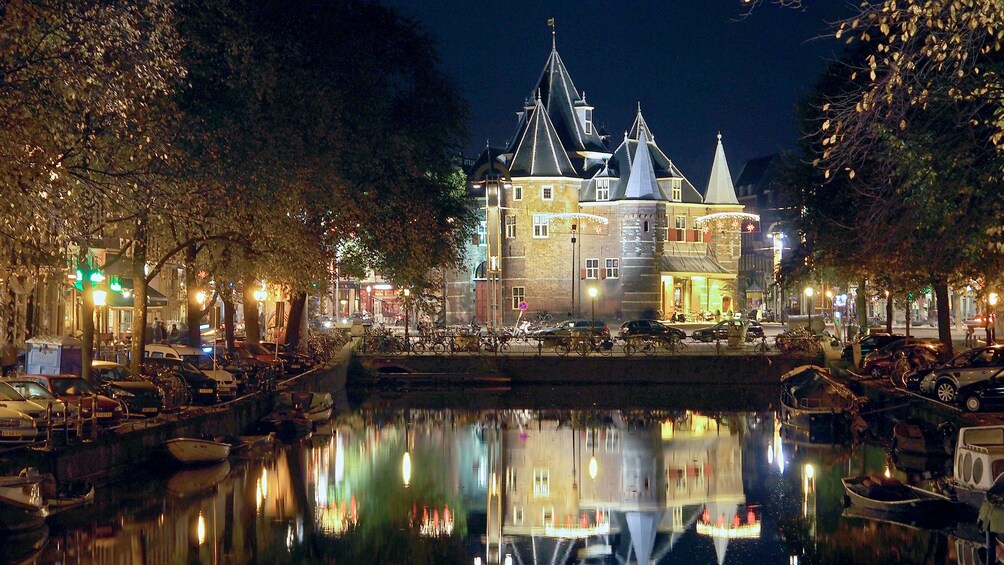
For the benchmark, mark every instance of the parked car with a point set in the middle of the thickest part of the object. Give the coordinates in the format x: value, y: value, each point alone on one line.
x: 976, y: 365
x: 246, y: 350
x: 225, y: 381
x: 41, y: 396
x: 982, y: 394
x: 721, y: 330
x: 16, y: 427
x: 11, y: 398
x: 203, y: 388
x: 869, y: 343
x: 879, y: 363
x: 140, y: 396
x: 650, y: 328
x: 575, y: 327
x: 75, y: 391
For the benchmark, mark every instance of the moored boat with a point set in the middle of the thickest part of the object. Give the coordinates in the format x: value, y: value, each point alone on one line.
x: 979, y: 461
x: 916, y: 436
x: 22, y: 503
x: 815, y: 407
x: 314, y: 406
x: 194, y: 450
x: 892, y: 497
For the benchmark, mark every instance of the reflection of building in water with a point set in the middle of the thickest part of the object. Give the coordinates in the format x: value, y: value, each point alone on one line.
x: 208, y: 515
x: 625, y: 487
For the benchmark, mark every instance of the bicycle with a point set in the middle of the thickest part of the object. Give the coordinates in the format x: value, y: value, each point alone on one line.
x: 593, y: 344
x: 636, y: 345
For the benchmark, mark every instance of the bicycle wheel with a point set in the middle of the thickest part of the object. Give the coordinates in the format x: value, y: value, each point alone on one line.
x: 438, y: 348
x: 562, y: 348
x: 582, y: 348
x: 648, y: 348
x: 606, y: 348
x: 629, y: 348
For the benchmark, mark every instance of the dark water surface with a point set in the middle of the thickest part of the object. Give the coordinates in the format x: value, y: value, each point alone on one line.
x: 449, y: 477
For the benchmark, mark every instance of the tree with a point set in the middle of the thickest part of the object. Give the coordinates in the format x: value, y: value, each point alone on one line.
x: 334, y: 129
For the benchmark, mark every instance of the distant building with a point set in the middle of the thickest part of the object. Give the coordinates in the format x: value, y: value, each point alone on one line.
x: 564, y: 213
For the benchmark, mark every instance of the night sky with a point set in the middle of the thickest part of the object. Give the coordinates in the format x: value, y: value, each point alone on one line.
x: 696, y: 66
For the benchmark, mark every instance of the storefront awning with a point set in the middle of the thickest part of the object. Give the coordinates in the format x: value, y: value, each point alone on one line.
x: 690, y: 265
x: 124, y: 299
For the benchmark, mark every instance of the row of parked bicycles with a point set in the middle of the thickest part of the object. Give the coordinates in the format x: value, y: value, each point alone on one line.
x: 471, y: 340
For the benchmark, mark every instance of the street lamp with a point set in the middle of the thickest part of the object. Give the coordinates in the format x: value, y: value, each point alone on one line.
x: 991, y: 330
x: 592, y: 315
x: 808, y: 301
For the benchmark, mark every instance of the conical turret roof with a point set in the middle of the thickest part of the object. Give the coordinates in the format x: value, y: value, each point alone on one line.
x: 720, y: 187
x: 641, y: 181
x: 558, y: 94
x: 538, y: 150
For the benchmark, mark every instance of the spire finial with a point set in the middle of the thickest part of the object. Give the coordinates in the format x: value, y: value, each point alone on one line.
x: 639, y: 106
x: 554, y: 41
x: 719, y: 136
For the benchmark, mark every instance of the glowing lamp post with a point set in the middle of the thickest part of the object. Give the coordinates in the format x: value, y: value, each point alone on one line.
x: 991, y: 317
x: 808, y: 301
x: 592, y: 316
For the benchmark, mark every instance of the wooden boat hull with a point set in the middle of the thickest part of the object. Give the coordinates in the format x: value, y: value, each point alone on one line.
x: 191, y: 450
x: 21, y: 505
x: 918, y: 502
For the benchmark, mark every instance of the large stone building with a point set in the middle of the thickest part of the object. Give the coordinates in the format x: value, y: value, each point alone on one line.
x: 566, y: 216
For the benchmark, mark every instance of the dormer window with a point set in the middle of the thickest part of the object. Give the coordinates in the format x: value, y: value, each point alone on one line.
x: 677, y: 190
x: 602, y: 190
x: 585, y: 115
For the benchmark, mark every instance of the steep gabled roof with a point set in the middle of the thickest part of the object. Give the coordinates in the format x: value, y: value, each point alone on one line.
x: 538, y: 150
x: 560, y: 97
x: 720, y: 189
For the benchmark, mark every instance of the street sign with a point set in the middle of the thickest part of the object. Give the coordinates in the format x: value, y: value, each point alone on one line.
x: 523, y: 305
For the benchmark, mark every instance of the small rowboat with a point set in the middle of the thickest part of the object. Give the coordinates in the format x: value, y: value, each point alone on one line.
x: 193, y: 450
x: 894, y: 498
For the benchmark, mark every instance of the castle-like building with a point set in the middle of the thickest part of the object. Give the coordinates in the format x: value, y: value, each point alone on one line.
x: 571, y: 226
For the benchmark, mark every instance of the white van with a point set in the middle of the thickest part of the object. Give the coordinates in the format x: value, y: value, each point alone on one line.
x: 225, y: 381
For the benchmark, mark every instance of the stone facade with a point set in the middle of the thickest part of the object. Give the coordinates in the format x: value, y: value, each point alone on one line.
x: 573, y: 215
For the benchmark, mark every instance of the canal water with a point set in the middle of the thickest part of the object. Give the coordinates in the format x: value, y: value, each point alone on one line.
x: 391, y: 480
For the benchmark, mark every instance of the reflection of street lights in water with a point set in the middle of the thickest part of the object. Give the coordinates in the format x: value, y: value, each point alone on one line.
x: 200, y: 529
x: 406, y: 469
x: 592, y: 316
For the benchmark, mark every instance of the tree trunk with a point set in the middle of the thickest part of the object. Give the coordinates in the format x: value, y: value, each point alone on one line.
x: 87, y: 331
x: 138, y: 297
x: 909, y: 305
x: 888, y: 313
x: 297, y: 311
x: 227, y: 297
x: 193, y: 313
x: 252, y: 330
x: 944, y: 313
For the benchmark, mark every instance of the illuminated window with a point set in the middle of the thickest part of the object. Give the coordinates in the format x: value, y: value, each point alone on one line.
x: 547, y: 515
x: 613, y: 268
x: 681, y: 479
x: 592, y: 268
x: 510, y: 227
x: 541, y: 483
x: 547, y: 193
x: 602, y: 189
x: 677, y: 190
x: 588, y: 126
x: 518, y: 295
x: 510, y: 479
x: 590, y: 438
x: 482, y: 233
x: 681, y: 228
x: 517, y: 193
x: 540, y: 225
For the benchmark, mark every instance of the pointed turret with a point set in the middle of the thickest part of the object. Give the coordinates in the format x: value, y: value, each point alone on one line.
x: 567, y: 108
x: 641, y: 182
x: 720, y: 187
x: 538, y: 150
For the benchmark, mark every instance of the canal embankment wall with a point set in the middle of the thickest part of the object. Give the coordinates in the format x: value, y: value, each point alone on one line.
x: 139, y: 442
